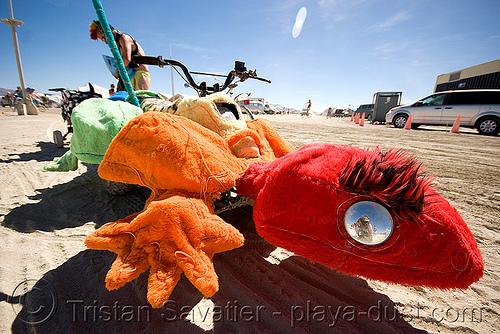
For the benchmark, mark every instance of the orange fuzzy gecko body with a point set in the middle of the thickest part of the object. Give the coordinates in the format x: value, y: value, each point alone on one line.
x: 185, y: 165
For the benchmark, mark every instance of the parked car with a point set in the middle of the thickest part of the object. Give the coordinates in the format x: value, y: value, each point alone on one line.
x: 255, y: 105
x: 269, y: 109
x: 367, y: 109
x: 4, y: 101
x: 478, y: 108
x: 339, y: 113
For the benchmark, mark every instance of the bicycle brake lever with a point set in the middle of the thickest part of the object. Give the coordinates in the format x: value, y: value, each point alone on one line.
x: 263, y: 79
x: 251, y: 74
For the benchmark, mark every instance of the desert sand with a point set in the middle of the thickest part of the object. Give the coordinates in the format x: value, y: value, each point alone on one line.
x: 50, y: 283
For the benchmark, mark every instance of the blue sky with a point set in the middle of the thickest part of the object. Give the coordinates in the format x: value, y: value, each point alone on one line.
x: 347, y: 49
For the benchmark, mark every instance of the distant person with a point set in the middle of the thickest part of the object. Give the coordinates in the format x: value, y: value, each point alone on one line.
x: 329, y: 113
x: 33, y: 97
x: 128, y: 47
x: 31, y: 94
x: 307, y: 108
x: 112, y: 89
x: 18, y: 93
x: 10, y: 99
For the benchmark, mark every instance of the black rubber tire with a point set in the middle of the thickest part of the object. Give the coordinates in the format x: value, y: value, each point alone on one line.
x: 118, y: 188
x: 489, y: 126
x: 58, y: 138
x: 400, y: 121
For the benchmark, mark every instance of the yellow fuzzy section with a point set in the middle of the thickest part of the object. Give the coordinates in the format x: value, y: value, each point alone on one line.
x: 202, y: 110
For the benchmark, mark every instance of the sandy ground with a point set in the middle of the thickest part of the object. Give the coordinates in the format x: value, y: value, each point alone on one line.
x: 50, y: 283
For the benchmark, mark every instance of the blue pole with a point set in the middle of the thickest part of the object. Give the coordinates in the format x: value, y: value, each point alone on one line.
x: 114, y: 50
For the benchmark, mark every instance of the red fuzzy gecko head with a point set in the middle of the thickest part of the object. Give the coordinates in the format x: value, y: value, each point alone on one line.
x: 365, y: 213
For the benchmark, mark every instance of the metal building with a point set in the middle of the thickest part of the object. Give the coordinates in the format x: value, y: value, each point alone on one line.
x: 483, y: 76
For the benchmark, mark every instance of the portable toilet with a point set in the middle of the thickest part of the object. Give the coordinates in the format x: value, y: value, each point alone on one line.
x: 382, y: 103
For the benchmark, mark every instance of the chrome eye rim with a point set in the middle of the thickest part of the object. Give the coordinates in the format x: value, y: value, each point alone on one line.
x: 368, y: 223
x: 341, y: 211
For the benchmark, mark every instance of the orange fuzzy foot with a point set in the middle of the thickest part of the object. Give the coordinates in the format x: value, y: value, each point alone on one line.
x: 173, y: 234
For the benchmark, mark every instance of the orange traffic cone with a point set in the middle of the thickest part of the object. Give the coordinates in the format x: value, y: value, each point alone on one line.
x: 352, y: 117
x: 357, y: 119
x: 362, y: 120
x: 456, y: 125
x: 408, y: 123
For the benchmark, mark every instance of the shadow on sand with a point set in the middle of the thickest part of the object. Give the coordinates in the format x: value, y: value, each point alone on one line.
x: 48, y: 151
x: 255, y: 296
x: 72, y: 204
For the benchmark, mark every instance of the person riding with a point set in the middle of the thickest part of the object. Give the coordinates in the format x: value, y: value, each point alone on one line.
x: 128, y: 47
x: 18, y: 93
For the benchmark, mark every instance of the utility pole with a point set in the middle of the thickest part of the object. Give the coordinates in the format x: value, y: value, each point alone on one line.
x: 171, y: 70
x: 30, y: 108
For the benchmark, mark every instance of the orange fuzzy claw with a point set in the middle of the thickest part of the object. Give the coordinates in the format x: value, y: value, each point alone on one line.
x: 174, y: 234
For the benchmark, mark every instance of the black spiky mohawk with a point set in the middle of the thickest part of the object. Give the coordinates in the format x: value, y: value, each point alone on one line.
x: 395, y: 178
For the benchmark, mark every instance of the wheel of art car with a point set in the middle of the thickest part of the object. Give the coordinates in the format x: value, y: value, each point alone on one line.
x: 58, y: 138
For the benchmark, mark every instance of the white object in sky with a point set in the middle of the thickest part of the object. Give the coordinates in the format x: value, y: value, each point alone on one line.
x: 299, y: 22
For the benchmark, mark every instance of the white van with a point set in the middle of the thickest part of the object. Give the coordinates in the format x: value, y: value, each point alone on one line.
x: 478, y: 108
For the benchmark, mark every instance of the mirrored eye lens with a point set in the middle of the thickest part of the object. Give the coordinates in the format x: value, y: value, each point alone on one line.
x: 368, y: 223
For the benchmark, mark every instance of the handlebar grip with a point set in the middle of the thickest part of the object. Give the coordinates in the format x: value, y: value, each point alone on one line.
x: 263, y: 79
x: 148, y: 60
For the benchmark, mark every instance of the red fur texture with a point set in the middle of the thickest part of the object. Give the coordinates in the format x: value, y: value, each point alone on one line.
x: 301, y: 199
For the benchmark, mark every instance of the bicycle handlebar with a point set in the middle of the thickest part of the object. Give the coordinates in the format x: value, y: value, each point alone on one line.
x: 240, y: 71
